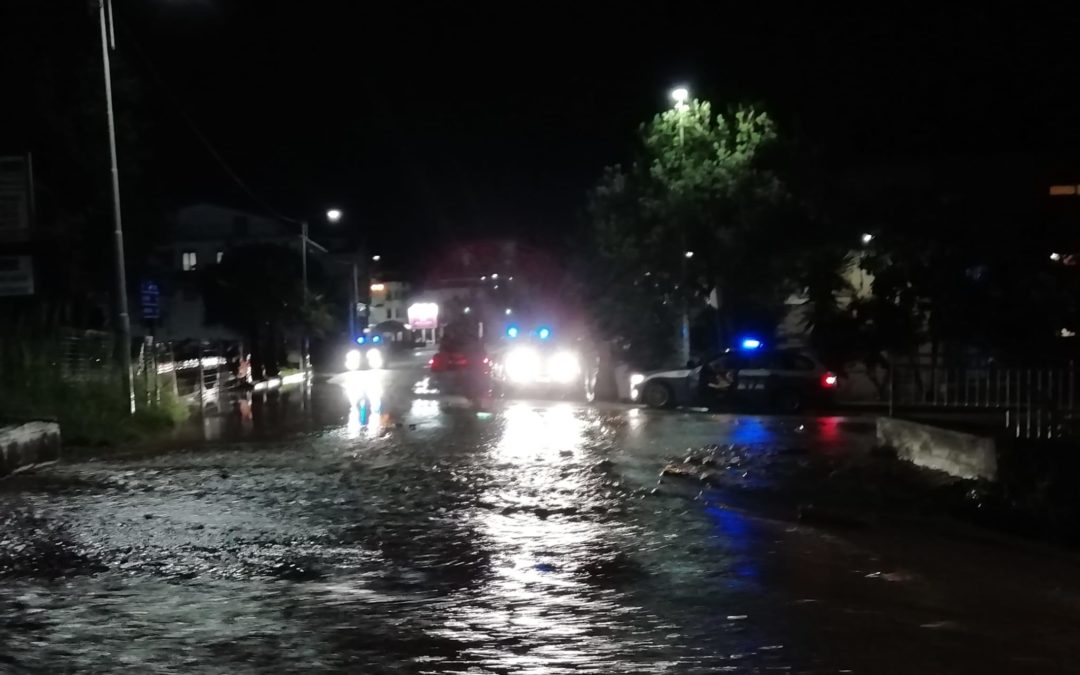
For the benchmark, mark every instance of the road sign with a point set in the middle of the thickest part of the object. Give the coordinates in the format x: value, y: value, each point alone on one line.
x: 150, y: 297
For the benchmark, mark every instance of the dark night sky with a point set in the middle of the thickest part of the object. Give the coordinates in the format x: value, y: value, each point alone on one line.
x: 429, y: 121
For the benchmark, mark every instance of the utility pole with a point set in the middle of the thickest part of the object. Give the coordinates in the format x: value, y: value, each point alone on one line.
x: 303, y: 263
x: 123, y: 318
x: 680, y: 96
x: 355, y: 299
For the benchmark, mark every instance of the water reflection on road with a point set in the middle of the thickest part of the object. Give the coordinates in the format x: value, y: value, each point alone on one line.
x: 356, y: 527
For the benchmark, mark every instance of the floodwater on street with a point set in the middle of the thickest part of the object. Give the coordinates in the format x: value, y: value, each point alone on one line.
x: 358, y: 527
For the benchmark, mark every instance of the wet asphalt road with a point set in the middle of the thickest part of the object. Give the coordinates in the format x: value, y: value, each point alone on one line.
x: 361, y: 528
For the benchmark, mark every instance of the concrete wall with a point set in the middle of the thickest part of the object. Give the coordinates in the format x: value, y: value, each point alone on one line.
x: 956, y: 453
x: 23, y: 445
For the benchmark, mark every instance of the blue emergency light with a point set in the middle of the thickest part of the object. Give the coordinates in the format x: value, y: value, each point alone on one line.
x: 751, y: 344
x: 512, y: 331
x: 543, y: 333
x: 376, y: 339
x: 361, y: 340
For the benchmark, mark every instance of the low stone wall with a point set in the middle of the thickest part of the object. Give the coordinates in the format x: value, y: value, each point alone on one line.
x: 954, y: 452
x: 23, y: 445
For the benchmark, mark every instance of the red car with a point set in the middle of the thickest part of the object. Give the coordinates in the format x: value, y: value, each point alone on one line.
x: 461, y: 369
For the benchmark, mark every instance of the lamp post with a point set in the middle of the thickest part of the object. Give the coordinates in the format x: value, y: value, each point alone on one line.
x: 332, y: 216
x: 123, y: 319
x: 680, y: 95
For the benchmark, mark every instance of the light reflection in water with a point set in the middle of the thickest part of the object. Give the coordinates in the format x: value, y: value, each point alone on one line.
x: 750, y: 430
x: 364, y: 392
x: 535, y: 591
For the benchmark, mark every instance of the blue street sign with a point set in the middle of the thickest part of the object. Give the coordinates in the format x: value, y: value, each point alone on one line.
x: 150, y: 295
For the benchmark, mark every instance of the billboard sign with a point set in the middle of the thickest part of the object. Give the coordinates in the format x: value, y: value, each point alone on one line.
x: 423, y: 315
x: 16, y: 275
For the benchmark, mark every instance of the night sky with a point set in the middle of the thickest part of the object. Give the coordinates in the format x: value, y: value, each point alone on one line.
x: 429, y: 122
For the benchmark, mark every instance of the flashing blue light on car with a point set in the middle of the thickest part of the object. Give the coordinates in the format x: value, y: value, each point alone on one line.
x: 361, y: 340
x: 751, y: 343
x: 543, y: 333
x: 512, y: 331
x: 376, y: 339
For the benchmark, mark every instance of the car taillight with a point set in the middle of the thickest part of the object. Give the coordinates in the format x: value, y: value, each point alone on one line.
x: 828, y: 381
x: 437, y: 363
x: 448, y: 361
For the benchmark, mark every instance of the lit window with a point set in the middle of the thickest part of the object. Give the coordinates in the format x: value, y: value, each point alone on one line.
x: 188, y: 261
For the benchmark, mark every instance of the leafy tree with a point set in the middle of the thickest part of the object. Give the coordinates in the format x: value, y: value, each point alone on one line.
x: 257, y: 291
x: 704, y: 183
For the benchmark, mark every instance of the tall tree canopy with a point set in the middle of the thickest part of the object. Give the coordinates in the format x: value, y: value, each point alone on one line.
x: 709, y: 184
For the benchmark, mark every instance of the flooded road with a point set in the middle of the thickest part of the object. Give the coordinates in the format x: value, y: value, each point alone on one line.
x: 361, y: 528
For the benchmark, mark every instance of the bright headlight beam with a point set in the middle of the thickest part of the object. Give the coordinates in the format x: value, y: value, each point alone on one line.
x: 374, y: 358
x: 352, y: 359
x: 564, y: 367
x: 523, y: 365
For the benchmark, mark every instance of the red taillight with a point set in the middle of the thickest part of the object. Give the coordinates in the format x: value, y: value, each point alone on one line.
x: 828, y: 381
x: 448, y: 361
x: 437, y: 362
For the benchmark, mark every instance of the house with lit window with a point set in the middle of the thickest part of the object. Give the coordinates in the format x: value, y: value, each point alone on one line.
x: 198, y: 236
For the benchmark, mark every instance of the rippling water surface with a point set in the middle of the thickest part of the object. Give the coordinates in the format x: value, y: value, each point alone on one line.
x: 401, y: 534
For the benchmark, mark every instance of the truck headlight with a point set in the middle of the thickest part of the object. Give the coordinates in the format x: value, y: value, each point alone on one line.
x: 563, y: 367
x: 352, y: 359
x: 523, y: 365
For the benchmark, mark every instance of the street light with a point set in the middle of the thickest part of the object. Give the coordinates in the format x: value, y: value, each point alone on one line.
x: 680, y: 95
x: 333, y: 215
x: 376, y: 258
x: 867, y: 238
x: 689, y: 254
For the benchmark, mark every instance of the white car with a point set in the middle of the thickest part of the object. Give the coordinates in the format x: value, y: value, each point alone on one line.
x: 776, y: 380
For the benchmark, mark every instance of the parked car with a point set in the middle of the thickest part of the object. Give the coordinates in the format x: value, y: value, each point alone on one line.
x: 751, y: 377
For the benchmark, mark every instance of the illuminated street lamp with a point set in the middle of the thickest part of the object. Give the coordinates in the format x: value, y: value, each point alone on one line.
x: 867, y: 238
x: 680, y: 95
x: 376, y: 258
x: 333, y: 215
x: 689, y: 254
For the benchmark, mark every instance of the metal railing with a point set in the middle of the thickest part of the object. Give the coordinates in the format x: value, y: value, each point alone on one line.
x: 1030, y: 402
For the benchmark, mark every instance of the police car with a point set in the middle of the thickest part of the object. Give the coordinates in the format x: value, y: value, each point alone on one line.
x: 537, y: 362
x: 367, y: 353
x: 751, y: 376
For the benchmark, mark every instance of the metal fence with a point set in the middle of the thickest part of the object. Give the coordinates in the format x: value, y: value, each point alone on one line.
x: 195, y: 372
x: 1029, y: 402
